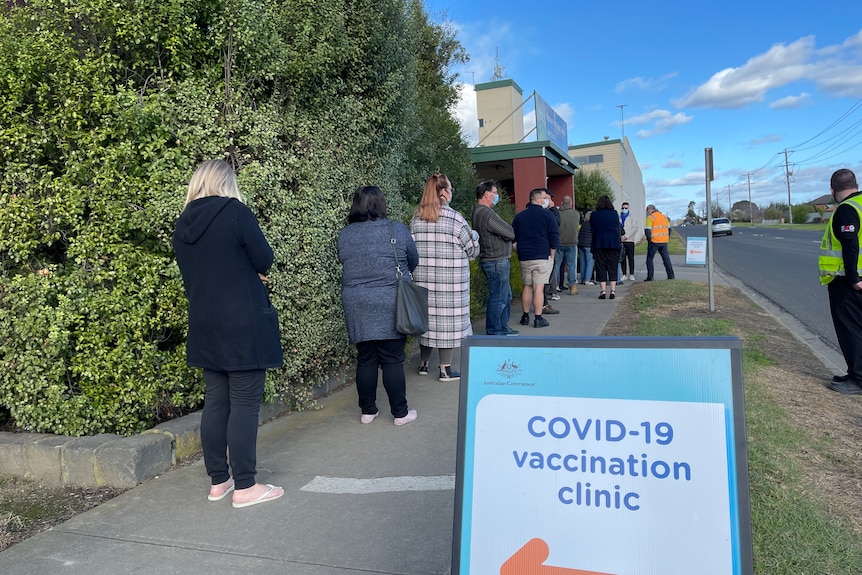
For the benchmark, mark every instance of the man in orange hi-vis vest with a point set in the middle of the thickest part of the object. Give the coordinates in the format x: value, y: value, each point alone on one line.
x: 657, y: 230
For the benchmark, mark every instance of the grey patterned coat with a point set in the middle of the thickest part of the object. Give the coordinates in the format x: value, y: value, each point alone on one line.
x: 368, y: 280
x: 445, y: 250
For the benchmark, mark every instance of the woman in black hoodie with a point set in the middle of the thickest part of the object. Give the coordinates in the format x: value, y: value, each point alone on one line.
x: 233, y: 329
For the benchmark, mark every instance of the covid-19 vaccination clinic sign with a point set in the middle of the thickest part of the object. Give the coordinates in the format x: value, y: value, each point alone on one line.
x: 601, y: 456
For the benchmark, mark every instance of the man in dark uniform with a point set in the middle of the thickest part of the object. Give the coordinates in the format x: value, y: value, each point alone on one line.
x: 840, y: 266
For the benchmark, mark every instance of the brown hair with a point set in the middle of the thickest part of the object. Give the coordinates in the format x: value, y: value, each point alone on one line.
x: 431, y: 202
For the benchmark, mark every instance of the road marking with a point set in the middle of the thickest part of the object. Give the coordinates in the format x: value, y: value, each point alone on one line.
x: 322, y: 484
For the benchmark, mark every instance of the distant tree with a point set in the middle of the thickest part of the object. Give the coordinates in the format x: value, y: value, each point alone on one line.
x: 717, y: 210
x: 589, y: 186
x: 775, y: 211
x: 801, y: 213
x: 691, y: 216
x: 744, y: 211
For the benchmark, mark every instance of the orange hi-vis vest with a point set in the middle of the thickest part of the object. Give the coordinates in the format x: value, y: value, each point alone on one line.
x: 660, y: 226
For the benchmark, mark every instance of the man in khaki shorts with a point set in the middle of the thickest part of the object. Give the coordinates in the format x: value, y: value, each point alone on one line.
x: 536, y: 241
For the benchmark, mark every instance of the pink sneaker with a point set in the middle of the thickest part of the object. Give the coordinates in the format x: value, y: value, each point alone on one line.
x: 368, y: 417
x: 411, y: 416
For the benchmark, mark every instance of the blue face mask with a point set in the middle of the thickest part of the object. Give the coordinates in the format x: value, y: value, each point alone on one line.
x: 625, y: 210
x: 496, y: 199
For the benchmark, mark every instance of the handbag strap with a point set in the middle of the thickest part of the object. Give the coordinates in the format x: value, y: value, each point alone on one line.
x: 398, y: 273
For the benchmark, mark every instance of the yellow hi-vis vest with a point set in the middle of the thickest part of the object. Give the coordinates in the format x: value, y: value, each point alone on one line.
x: 660, y: 227
x: 831, y: 261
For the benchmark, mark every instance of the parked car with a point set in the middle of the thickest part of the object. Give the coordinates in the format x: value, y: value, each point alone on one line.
x: 721, y: 226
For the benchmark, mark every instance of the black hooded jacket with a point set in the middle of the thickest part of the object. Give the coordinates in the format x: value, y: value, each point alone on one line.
x: 220, y: 250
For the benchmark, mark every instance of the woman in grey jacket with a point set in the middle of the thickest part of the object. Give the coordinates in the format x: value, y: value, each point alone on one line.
x: 367, y: 249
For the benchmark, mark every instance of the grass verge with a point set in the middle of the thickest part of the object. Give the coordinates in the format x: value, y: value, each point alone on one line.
x: 794, y: 531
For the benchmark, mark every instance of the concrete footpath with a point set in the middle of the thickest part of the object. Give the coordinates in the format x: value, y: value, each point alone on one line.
x: 359, y: 498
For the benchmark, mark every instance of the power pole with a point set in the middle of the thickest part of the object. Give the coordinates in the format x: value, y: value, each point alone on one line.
x: 729, y: 205
x: 750, y: 209
x: 787, y: 172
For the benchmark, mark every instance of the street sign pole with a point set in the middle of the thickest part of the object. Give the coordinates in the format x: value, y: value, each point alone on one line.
x: 709, y: 177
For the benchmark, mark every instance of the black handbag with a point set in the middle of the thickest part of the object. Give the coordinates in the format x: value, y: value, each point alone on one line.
x: 411, y: 301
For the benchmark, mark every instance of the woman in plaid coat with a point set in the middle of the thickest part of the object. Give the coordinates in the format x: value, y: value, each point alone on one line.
x: 446, y: 245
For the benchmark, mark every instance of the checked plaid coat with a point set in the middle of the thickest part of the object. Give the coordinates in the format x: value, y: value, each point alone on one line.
x: 445, y: 250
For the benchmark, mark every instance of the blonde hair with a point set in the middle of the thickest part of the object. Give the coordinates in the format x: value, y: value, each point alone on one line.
x: 431, y: 202
x: 213, y: 178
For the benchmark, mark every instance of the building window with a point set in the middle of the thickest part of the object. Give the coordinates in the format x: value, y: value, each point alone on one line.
x: 481, y: 123
x: 594, y: 159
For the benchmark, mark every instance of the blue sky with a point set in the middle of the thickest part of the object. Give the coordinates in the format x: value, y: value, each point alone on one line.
x: 748, y: 79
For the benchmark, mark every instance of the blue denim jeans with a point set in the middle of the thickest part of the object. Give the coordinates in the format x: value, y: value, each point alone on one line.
x: 585, y: 258
x: 652, y: 248
x: 569, y: 254
x: 499, y: 296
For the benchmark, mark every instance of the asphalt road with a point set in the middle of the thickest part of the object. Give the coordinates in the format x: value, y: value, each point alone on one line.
x: 781, y: 265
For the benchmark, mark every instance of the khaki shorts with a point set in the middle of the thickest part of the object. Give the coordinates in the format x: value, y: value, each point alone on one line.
x: 536, y: 272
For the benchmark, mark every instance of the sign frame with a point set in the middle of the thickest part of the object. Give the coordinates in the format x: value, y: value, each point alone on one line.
x: 693, y: 255
x: 722, y: 390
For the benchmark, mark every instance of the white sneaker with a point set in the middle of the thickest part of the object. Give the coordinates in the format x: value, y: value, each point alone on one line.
x: 411, y: 416
x: 555, y: 297
x: 591, y: 283
x: 632, y: 277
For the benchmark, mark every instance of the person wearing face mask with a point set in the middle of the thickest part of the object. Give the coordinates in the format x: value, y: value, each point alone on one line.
x: 630, y: 230
x: 840, y: 266
x: 446, y: 244
x: 495, y: 249
x: 536, y: 241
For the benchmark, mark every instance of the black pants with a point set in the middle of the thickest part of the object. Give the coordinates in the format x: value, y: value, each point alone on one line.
x: 388, y: 355
x: 229, y: 423
x: 628, y: 255
x: 845, y: 303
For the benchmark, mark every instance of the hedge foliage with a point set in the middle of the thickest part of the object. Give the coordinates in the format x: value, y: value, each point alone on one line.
x: 106, y: 108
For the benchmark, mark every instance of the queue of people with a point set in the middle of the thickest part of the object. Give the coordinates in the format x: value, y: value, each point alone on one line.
x: 234, y: 332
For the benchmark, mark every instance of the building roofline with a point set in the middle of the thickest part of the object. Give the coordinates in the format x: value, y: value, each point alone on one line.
x: 543, y: 148
x: 498, y: 84
x: 617, y: 142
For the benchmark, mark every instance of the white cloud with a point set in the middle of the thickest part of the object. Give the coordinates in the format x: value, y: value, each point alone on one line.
x: 836, y: 69
x: 672, y: 164
x: 466, y: 114
x: 662, y: 122
x: 644, y: 84
x: 690, y: 179
x: 530, y: 126
x: 790, y: 102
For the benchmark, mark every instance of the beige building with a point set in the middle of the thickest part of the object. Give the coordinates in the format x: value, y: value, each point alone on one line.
x: 617, y: 160
x: 520, y: 166
x: 501, y: 119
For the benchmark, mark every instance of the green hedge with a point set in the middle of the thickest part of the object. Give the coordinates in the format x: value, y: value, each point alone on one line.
x: 105, y: 111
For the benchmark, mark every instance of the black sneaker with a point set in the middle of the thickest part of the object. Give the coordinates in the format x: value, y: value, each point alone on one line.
x: 525, y: 319
x: 512, y: 332
x: 840, y: 378
x: 423, y: 369
x: 448, y: 374
x: 540, y: 322
x: 849, y: 387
